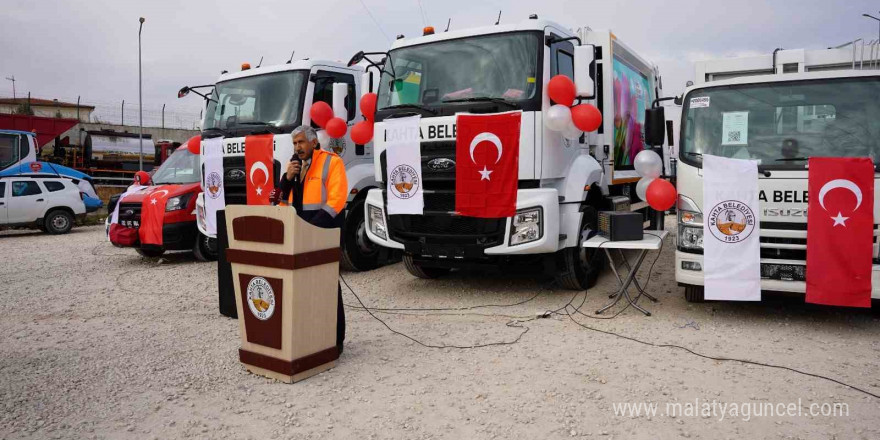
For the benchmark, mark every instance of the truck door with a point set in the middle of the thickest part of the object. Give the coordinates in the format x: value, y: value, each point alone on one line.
x: 324, y: 80
x: 558, y: 152
x: 27, y: 202
x: 3, y: 204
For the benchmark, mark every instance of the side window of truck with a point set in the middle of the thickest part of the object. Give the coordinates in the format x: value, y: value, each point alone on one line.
x: 324, y: 91
x: 562, y: 59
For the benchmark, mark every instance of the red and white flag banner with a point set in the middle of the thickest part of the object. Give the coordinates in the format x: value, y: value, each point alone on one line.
x: 840, y: 231
x: 487, y: 164
x: 259, y: 168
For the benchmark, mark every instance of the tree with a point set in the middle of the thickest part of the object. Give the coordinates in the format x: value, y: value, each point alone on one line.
x: 24, y: 109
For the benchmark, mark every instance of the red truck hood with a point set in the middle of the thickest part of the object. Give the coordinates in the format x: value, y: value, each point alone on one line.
x: 173, y: 191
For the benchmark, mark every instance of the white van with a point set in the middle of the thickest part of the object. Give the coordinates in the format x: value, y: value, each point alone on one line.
x: 50, y: 204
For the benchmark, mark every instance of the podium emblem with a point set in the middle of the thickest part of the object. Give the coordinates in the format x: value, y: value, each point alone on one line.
x: 261, y: 298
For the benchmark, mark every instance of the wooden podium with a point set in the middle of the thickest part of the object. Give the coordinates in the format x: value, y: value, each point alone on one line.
x: 285, y: 273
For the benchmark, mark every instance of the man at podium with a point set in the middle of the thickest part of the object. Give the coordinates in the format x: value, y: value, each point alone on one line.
x: 315, y: 184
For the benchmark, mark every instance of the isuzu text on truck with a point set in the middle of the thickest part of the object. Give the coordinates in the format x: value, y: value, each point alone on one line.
x: 799, y: 104
x: 562, y: 183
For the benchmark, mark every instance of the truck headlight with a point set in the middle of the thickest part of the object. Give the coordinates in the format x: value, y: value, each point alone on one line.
x: 690, y: 224
x: 377, y: 222
x: 177, y: 203
x: 526, y: 226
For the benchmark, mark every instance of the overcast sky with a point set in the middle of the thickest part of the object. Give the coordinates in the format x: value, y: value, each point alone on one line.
x: 64, y: 49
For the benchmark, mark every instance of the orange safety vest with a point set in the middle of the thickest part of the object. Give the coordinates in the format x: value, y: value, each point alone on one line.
x: 325, y: 186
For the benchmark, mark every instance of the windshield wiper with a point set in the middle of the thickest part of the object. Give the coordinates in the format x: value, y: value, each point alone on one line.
x: 217, y: 129
x: 271, y: 128
x: 790, y: 159
x: 416, y: 106
x: 691, y: 153
x: 511, y: 104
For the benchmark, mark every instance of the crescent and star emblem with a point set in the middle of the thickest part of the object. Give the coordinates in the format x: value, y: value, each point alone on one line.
x: 845, y: 184
x: 489, y: 137
x: 259, y: 166
x: 153, y: 195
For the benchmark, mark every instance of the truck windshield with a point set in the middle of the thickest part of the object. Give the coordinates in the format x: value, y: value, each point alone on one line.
x: 181, y: 167
x: 783, y: 124
x: 272, y: 99
x: 502, y: 66
x: 8, y: 150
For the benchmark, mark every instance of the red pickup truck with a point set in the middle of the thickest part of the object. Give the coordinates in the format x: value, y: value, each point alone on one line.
x: 180, y: 176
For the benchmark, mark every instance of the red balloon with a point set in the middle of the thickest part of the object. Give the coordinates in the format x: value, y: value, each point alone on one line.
x: 561, y: 90
x: 336, y: 128
x: 362, y: 132
x: 586, y: 117
x: 194, y: 144
x: 661, y: 195
x: 141, y: 178
x: 368, y: 106
x: 321, y: 113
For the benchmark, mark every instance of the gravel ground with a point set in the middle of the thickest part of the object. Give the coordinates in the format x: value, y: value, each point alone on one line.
x: 98, y: 342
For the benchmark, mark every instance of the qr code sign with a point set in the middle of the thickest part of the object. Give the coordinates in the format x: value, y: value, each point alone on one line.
x: 733, y: 136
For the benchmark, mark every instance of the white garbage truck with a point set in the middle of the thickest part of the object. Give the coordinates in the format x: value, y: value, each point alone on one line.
x: 276, y: 99
x: 800, y: 103
x: 562, y: 183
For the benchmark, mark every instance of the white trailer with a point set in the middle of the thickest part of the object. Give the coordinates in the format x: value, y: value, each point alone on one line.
x: 800, y: 103
x: 562, y: 183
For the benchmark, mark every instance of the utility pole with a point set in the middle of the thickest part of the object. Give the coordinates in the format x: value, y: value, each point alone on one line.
x: 140, y: 100
x: 12, y: 78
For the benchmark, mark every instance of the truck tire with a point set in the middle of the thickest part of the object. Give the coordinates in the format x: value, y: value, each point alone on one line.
x: 205, y: 248
x: 150, y: 253
x: 418, y: 271
x: 694, y: 294
x: 358, y: 252
x: 58, y: 221
x: 577, y: 268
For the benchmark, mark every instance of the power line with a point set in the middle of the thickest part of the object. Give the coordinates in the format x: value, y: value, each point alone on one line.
x: 424, y: 15
x: 375, y: 21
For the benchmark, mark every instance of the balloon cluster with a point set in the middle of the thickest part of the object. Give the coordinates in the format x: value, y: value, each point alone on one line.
x: 572, y: 122
x: 659, y: 193
x: 361, y: 133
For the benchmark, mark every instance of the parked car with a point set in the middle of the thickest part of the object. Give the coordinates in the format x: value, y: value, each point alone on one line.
x: 50, y: 204
x: 180, y: 176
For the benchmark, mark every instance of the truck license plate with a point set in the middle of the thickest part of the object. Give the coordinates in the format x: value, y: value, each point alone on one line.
x: 131, y: 223
x: 784, y: 272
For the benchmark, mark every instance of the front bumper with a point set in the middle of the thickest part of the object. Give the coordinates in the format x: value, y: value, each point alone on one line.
x: 546, y: 199
x: 180, y: 236
x: 695, y: 278
x: 200, y: 216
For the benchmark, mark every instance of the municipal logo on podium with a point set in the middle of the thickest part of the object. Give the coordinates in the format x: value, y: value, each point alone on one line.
x: 261, y: 298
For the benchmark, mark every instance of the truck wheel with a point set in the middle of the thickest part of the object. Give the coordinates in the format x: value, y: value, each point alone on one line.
x: 205, y: 248
x: 358, y: 252
x: 150, y: 253
x: 578, y: 267
x: 58, y: 222
x: 694, y: 294
x: 418, y: 271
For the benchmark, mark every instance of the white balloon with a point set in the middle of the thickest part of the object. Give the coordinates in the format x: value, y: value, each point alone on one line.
x: 324, y: 140
x: 642, y: 187
x: 558, y: 118
x: 648, y: 164
x: 572, y: 132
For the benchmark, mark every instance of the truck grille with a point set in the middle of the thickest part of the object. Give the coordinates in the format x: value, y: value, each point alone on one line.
x: 795, y: 248
x: 130, y: 215
x: 439, y: 184
x: 235, y: 179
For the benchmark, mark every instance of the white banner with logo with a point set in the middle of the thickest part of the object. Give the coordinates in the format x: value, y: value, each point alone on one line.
x: 212, y: 154
x: 731, y: 232
x: 404, y: 159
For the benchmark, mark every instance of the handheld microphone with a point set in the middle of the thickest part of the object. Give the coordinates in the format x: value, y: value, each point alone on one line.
x: 296, y: 159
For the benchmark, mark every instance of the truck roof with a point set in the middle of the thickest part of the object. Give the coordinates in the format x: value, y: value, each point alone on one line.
x: 785, y: 77
x: 295, y: 65
x: 524, y: 25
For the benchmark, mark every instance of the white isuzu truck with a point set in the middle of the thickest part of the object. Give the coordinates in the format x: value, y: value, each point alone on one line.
x: 276, y: 99
x: 800, y: 103
x: 562, y: 183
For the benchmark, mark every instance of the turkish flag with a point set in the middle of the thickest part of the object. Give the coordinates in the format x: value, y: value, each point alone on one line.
x: 153, y: 215
x: 840, y: 231
x: 487, y: 164
x: 258, y: 166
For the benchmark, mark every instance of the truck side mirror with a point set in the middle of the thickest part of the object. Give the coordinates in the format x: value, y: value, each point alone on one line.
x: 655, y: 126
x: 368, y: 83
x: 340, y: 92
x: 584, y: 63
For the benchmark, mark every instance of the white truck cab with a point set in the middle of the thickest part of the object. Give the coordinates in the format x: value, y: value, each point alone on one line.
x: 563, y: 183
x: 50, y: 204
x: 800, y: 104
x: 276, y: 99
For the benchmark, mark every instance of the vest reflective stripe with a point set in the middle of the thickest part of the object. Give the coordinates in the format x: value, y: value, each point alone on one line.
x: 325, y: 171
